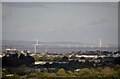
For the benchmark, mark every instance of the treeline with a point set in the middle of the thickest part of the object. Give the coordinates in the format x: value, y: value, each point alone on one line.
x: 67, y: 70
x: 85, y: 73
x: 14, y: 60
x: 75, y: 64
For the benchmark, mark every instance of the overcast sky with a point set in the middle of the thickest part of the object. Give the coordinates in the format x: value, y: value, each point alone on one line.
x: 61, y: 22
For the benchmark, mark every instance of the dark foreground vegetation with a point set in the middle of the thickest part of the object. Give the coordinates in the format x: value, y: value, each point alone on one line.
x: 85, y: 73
x: 19, y: 66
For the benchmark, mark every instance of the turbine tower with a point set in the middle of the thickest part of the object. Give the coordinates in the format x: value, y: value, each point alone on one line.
x: 100, y: 43
x: 46, y: 49
x: 36, y: 44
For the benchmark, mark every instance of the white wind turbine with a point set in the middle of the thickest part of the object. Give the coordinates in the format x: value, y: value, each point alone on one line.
x: 36, y: 45
x: 100, y: 43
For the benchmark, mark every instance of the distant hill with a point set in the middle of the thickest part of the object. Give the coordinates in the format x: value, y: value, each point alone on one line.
x: 60, y: 47
x: 13, y: 42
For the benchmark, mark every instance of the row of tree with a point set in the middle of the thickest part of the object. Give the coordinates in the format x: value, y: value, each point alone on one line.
x: 14, y: 60
x: 94, y: 73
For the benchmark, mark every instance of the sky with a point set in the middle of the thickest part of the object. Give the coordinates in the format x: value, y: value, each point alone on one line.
x: 61, y: 22
x: 0, y: 22
x: 60, y: 0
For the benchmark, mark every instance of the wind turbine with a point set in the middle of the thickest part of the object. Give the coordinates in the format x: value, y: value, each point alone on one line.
x: 100, y: 43
x: 46, y: 49
x: 35, y: 45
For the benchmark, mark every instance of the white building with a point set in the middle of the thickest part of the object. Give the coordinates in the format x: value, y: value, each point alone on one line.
x: 87, y: 56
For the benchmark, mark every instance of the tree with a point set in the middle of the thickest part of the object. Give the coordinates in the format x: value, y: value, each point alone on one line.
x: 11, y: 60
x: 22, y: 59
x: 44, y: 58
x: 65, y: 58
x: 107, y: 71
x: 36, y: 57
x: 57, y: 58
x: 117, y: 60
x: 52, y: 75
x: 32, y: 75
x: 71, y: 74
x: 61, y: 72
x: 86, y: 72
x: 29, y: 60
x: 20, y: 70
